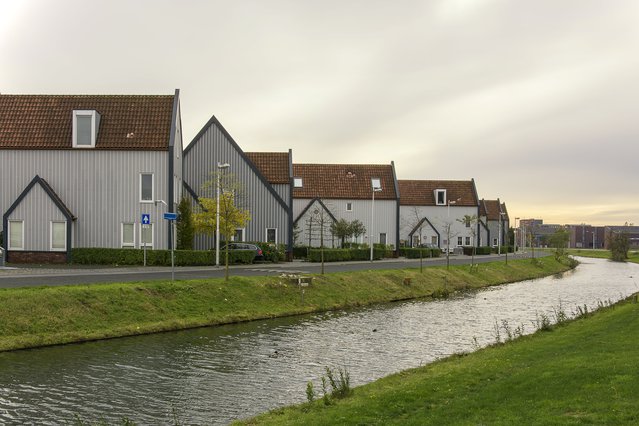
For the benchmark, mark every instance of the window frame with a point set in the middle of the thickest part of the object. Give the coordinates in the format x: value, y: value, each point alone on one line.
x: 468, y: 241
x: 460, y: 241
x: 9, y: 246
x: 123, y: 244
x: 266, y: 239
x: 94, y: 126
x: 51, y: 223
x: 349, y: 206
x: 380, y: 238
x: 152, y: 200
x: 243, y: 235
x: 437, y: 192
x: 298, y: 182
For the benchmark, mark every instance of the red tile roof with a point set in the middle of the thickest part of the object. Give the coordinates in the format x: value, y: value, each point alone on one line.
x: 422, y: 192
x: 491, y: 209
x: 45, y: 121
x: 344, y: 181
x: 273, y: 165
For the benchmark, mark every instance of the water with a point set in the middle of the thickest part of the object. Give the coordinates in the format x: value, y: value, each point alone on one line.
x: 214, y: 375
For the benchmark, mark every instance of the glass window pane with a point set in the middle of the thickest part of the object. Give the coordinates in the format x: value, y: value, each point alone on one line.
x: 271, y: 235
x: 15, y: 235
x: 146, y: 187
x: 83, y: 130
x: 127, y: 234
x: 58, y: 235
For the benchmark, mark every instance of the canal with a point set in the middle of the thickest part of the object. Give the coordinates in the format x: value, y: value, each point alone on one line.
x: 217, y: 374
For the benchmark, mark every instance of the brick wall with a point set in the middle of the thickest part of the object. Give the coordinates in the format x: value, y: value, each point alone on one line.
x: 36, y: 257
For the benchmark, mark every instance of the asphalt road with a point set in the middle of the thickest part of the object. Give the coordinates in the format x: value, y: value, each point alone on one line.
x: 32, y: 277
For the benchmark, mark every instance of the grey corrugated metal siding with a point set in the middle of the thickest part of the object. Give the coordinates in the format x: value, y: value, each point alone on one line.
x: 266, y: 212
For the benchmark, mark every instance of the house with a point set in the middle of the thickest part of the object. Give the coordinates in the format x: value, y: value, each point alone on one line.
x: 264, y: 177
x: 432, y: 212
x: 326, y: 193
x: 81, y: 170
x: 494, y: 222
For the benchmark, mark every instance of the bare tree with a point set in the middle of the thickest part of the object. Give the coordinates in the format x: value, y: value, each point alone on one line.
x: 471, y: 222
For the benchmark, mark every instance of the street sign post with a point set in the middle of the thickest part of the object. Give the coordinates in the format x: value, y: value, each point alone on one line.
x: 172, y: 217
x: 146, y: 222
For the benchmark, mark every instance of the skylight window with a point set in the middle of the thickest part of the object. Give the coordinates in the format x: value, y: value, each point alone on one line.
x: 85, y: 128
x: 297, y: 182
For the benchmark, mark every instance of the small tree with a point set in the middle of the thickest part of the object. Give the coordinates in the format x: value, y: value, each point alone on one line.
x: 322, y: 219
x: 184, y: 226
x: 559, y: 241
x: 357, y: 229
x: 448, y: 226
x: 232, y: 213
x: 342, y: 230
x: 471, y: 223
x: 619, y: 245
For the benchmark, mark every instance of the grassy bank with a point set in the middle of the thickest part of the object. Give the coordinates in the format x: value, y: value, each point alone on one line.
x: 583, y: 372
x: 633, y: 255
x: 32, y: 317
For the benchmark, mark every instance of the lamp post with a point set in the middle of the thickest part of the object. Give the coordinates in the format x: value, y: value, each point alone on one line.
x: 220, y: 167
x: 376, y: 186
x: 501, y: 236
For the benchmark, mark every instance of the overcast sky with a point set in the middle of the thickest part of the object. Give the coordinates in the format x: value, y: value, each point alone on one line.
x: 536, y: 100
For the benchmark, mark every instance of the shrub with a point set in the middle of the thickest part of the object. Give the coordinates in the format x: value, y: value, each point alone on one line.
x: 478, y: 250
x: 300, y: 252
x: 271, y: 252
x: 342, y: 255
x: 108, y: 256
x: 503, y: 249
x: 413, y: 253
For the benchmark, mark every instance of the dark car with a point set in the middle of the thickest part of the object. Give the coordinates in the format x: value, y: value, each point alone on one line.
x: 259, y: 255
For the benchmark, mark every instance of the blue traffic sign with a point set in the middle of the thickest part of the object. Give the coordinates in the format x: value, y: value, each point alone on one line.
x: 170, y: 216
x: 146, y: 219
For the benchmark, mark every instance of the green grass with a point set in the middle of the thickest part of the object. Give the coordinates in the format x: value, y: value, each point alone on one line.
x: 583, y: 372
x: 633, y: 255
x: 32, y: 317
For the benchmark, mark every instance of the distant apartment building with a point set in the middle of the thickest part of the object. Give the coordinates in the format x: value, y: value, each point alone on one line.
x: 631, y: 231
x: 586, y: 236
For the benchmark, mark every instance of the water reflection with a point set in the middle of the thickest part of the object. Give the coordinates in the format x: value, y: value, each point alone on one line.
x: 214, y: 375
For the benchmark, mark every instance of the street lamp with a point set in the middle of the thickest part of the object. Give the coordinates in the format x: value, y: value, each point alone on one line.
x: 376, y: 186
x: 501, y: 235
x: 220, y: 167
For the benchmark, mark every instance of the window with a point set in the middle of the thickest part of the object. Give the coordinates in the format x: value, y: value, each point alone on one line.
x: 468, y: 241
x: 146, y: 187
x: 271, y: 235
x: 146, y: 235
x: 376, y: 183
x: 382, y: 238
x: 349, y: 207
x: 58, y: 236
x: 467, y: 222
x: 128, y: 235
x: 297, y: 182
x: 495, y: 241
x: 460, y: 241
x: 415, y: 241
x: 239, y: 234
x: 440, y: 197
x: 433, y: 240
x: 16, y: 235
x: 85, y: 128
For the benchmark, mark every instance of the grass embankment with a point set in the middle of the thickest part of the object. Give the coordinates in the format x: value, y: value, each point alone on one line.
x: 582, y: 372
x: 32, y: 317
x: 633, y: 256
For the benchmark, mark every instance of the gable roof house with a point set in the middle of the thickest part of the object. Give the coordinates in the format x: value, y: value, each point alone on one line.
x: 80, y: 170
x: 428, y: 206
x: 495, y: 223
x: 264, y: 176
x: 345, y: 191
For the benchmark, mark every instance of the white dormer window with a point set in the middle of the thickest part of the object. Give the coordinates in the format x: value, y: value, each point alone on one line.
x: 376, y: 184
x: 85, y: 128
x: 297, y: 182
x: 440, y: 197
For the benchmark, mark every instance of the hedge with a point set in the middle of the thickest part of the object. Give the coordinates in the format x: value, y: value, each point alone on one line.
x: 109, y: 256
x: 342, y: 255
x: 468, y: 251
x: 271, y: 252
x: 503, y: 249
x: 413, y: 253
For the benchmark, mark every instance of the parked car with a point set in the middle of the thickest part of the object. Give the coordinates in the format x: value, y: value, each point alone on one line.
x: 259, y: 255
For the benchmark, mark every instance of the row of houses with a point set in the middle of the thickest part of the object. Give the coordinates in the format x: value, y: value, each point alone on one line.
x: 100, y: 171
x: 580, y: 236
